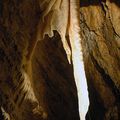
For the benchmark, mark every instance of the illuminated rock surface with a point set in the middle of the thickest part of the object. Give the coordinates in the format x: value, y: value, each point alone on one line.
x: 43, y: 86
x: 100, y: 28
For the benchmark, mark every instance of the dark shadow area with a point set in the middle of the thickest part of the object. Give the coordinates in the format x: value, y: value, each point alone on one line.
x: 85, y: 3
x: 96, y: 109
x: 60, y: 89
x: 1, y: 116
x: 108, y: 80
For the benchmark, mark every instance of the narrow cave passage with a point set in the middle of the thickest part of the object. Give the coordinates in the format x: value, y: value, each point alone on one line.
x: 36, y: 80
x: 53, y: 78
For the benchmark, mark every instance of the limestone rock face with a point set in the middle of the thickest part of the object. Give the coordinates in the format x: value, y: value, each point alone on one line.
x: 100, y: 29
x: 38, y: 87
x: 37, y: 81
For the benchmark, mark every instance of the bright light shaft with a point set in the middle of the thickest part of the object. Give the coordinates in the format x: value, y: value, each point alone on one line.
x: 77, y: 59
x: 63, y: 16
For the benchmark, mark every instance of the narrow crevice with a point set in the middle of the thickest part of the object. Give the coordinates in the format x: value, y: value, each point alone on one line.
x: 107, y: 79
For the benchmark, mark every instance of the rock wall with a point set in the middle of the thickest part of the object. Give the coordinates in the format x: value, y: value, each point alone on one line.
x: 37, y: 88
x: 43, y: 87
x: 100, y: 29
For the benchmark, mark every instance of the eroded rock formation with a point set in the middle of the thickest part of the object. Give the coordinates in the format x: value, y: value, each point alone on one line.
x: 36, y: 80
x: 33, y: 86
x: 100, y: 28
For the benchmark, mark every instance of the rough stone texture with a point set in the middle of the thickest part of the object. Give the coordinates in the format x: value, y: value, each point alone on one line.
x: 51, y: 67
x: 51, y: 92
x: 100, y: 29
x: 39, y: 88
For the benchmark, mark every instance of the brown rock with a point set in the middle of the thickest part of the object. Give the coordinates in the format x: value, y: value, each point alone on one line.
x: 36, y: 80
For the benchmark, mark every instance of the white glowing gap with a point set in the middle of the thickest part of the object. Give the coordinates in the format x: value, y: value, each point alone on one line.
x: 80, y: 80
x: 63, y: 16
x: 77, y: 58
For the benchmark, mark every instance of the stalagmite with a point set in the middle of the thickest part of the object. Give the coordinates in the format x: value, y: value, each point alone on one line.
x: 63, y: 16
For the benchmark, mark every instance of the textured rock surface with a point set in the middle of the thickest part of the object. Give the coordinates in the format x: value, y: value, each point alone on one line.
x: 100, y: 28
x: 51, y: 67
x: 48, y: 91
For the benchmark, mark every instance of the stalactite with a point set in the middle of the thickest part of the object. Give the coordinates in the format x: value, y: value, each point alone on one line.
x: 65, y: 19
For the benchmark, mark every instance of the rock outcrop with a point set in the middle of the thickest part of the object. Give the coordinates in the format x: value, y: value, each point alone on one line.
x: 100, y: 29
x: 33, y: 86
x: 36, y: 80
